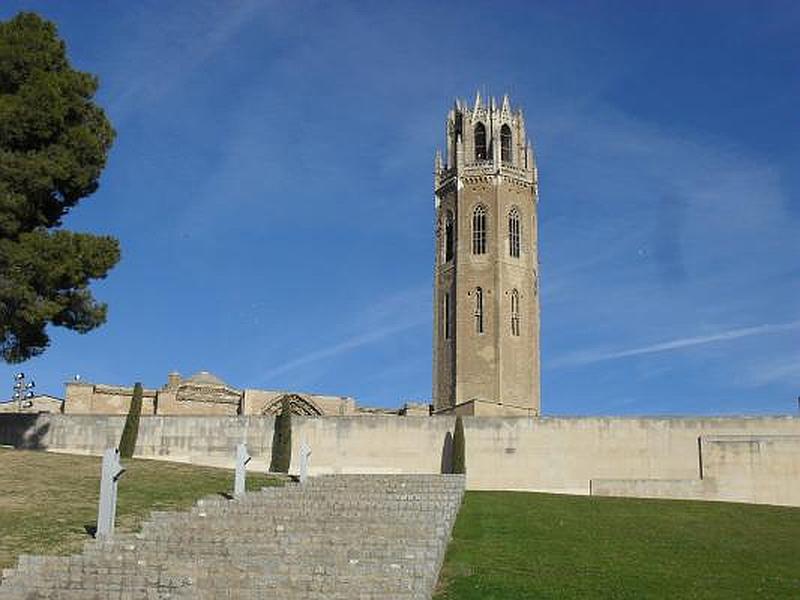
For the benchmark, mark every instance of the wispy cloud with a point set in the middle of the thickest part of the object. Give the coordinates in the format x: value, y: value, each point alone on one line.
x: 342, y: 347
x: 640, y: 266
x: 168, y: 48
x: 783, y: 368
x: 594, y: 356
x: 394, y: 313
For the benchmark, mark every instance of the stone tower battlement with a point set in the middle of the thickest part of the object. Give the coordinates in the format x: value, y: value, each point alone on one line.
x: 486, y: 139
x: 486, y: 301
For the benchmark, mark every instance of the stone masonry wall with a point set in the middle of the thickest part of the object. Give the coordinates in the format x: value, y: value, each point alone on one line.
x: 749, y: 459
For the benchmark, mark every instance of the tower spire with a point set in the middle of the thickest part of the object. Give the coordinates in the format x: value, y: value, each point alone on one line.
x: 477, y: 106
x: 486, y: 306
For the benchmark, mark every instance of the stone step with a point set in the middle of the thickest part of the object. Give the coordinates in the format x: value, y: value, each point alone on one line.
x: 334, y: 537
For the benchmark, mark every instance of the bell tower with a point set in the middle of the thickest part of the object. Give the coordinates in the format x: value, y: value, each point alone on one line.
x: 486, y: 296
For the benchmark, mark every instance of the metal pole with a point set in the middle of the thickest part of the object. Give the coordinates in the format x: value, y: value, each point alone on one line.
x: 110, y: 473
x: 305, y: 456
x: 242, y: 458
x: 22, y: 389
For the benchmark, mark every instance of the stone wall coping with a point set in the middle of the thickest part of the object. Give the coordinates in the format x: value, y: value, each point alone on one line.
x: 476, y: 419
x: 118, y: 390
x: 749, y: 437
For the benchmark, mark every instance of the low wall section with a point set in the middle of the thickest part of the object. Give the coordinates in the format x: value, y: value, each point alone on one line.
x: 754, y: 459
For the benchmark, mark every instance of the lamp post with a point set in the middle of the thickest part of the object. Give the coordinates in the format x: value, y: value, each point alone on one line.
x: 22, y: 389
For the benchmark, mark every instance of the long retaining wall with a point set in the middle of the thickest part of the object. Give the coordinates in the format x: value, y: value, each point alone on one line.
x: 745, y: 459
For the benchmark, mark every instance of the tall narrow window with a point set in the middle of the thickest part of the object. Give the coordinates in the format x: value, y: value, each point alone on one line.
x: 478, y: 310
x: 446, y: 316
x: 513, y: 232
x: 505, y: 144
x: 514, y: 312
x: 479, y: 230
x: 448, y: 236
x: 480, y: 142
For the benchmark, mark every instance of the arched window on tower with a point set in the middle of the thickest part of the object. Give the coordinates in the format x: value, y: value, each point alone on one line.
x: 478, y: 310
x: 514, y: 231
x: 505, y: 144
x: 446, y: 321
x: 514, y: 313
x: 480, y: 142
x: 448, y: 236
x: 479, y: 230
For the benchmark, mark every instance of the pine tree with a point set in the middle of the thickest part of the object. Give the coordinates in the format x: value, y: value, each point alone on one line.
x: 127, y: 443
x: 459, y: 448
x: 282, y: 440
x: 54, y: 141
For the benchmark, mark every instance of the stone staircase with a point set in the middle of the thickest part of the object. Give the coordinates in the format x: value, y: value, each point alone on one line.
x: 337, y: 537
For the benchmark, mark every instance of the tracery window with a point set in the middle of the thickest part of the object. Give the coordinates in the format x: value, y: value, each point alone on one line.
x: 298, y: 405
x: 514, y: 231
x: 514, y: 312
x: 480, y: 142
x: 478, y: 310
x: 505, y: 144
x: 479, y: 230
x: 448, y: 236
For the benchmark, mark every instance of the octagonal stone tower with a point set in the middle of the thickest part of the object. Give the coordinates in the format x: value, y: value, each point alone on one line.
x: 486, y: 301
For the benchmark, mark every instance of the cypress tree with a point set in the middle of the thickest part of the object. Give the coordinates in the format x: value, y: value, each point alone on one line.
x: 282, y: 440
x: 127, y: 443
x: 459, y: 448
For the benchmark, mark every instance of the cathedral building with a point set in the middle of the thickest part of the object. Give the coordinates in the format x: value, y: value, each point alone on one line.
x: 486, y: 300
x: 202, y: 394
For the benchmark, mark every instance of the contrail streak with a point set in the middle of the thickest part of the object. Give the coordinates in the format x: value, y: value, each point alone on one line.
x: 594, y: 356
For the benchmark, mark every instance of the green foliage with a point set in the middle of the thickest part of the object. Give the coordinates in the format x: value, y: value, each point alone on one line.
x: 54, y: 141
x: 459, y: 448
x: 282, y: 441
x: 127, y: 443
x: 525, y: 545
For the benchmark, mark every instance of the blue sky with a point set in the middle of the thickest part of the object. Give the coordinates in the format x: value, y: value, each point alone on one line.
x: 271, y: 186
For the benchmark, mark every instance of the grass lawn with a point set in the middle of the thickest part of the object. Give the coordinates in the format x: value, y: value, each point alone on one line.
x: 509, y: 545
x: 47, y: 500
